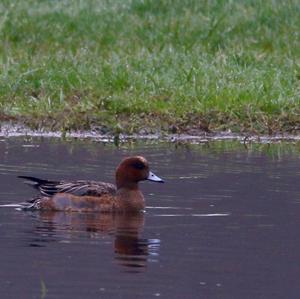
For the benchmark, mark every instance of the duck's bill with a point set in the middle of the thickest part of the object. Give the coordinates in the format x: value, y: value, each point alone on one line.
x: 154, y: 178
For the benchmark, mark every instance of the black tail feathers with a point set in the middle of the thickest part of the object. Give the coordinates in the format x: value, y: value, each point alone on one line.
x: 32, y: 181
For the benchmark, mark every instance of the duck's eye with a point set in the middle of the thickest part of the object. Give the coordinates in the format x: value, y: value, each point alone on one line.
x: 138, y: 165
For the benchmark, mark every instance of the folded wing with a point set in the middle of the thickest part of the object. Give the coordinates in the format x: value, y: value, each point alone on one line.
x: 79, y: 188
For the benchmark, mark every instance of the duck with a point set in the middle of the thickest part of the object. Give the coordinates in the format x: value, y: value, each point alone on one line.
x: 93, y: 196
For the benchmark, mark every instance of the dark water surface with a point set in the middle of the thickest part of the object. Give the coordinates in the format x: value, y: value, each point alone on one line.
x: 225, y: 225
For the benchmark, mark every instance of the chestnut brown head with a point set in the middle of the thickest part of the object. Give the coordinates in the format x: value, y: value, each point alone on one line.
x: 132, y: 170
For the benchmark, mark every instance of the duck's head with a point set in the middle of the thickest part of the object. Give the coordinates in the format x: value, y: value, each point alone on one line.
x: 132, y: 170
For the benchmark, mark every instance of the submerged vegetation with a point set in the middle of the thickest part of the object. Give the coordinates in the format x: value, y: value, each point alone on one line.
x: 151, y: 65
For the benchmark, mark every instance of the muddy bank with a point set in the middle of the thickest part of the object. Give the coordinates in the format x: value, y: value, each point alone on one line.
x: 13, y: 130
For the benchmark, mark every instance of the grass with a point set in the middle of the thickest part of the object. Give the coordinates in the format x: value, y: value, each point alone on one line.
x: 151, y: 65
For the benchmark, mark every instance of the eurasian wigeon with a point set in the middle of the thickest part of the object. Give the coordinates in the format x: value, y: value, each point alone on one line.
x: 92, y: 196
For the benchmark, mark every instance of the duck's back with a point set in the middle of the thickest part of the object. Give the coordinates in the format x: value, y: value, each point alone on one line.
x: 78, y: 188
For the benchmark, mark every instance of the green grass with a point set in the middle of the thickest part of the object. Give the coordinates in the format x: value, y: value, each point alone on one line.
x: 151, y: 65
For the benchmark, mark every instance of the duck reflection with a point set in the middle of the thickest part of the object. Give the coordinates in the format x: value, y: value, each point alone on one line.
x: 131, y: 251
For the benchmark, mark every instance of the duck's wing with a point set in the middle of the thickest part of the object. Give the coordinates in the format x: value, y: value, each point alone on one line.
x: 79, y: 188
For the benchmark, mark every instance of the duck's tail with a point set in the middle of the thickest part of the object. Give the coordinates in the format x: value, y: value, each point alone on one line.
x: 33, y: 181
x: 45, y: 187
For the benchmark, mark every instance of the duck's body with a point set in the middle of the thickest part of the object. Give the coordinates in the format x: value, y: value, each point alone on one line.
x: 92, y: 196
x: 123, y: 201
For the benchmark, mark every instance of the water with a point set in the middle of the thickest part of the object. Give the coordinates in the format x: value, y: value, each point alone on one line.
x: 225, y: 224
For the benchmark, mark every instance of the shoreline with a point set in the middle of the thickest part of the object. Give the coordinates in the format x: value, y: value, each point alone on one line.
x: 18, y: 130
